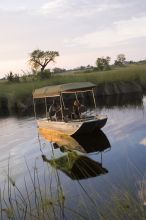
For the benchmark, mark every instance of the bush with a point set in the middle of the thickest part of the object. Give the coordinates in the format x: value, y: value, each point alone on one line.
x: 16, y: 78
x: 46, y: 74
x: 12, y: 77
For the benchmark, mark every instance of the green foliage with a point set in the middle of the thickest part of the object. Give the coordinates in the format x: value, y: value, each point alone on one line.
x: 120, y: 60
x: 9, y: 213
x: 46, y: 74
x: 24, y: 78
x: 38, y: 199
x: 12, y: 77
x: 123, y: 205
x: 39, y: 59
x: 103, y: 63
x: 22, y: 91
x: 16, y: 78
x: 58, y: 70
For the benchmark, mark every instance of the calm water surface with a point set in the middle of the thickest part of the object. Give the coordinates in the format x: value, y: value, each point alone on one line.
x: 124, y: 163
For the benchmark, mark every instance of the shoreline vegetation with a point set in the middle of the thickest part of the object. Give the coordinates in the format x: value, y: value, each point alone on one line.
x: 43, y: 195
x: 16, y: 97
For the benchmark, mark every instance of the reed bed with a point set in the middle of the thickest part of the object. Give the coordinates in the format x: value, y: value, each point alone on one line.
x: 43, y: 199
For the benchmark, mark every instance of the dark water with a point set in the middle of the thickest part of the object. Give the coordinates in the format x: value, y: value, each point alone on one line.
x: 119, y: 165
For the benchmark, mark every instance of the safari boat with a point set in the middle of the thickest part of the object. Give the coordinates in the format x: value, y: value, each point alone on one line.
x: 83, y: 124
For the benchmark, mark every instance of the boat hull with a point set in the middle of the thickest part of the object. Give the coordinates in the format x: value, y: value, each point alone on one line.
x: 84, y: 126
x: 91, y: 125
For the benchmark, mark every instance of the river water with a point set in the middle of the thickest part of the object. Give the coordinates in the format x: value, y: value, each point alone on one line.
x: 122, y: 163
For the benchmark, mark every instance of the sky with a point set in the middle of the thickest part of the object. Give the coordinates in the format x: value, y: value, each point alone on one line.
x: 80, y: 30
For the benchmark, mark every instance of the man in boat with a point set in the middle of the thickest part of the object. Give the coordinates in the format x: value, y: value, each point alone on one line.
x: 78, y: 110
x: 53, y: 111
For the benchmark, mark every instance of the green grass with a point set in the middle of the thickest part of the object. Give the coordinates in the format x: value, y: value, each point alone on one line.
x: 20, y: 91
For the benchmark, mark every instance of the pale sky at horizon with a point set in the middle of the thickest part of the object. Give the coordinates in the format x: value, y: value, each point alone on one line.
x: 81, y: 30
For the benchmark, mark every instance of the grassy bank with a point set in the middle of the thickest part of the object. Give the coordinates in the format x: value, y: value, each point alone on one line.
x: 19, y: 92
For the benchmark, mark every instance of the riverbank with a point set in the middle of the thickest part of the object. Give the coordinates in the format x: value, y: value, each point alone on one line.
x: 17, y: 97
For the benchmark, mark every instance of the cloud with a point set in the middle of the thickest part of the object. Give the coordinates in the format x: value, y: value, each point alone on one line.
x: 13, y: 9
x: 143, y: 142
x: 52, y: 6
x: 79, y: 8
x: 118, y: 33
x: 72, y: 27
x: 111, y: 6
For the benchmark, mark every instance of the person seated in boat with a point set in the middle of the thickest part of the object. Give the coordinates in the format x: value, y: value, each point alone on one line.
x: 78, y: 110
x: 66, y: 114
x: 53, y: 111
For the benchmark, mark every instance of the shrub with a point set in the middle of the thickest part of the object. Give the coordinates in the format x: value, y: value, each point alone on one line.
x: 46, y: 74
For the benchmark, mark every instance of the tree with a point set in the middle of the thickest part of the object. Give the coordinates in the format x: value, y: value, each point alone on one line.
x: 12, y: 77
x: 120, y: 60
x: 16, y: 78
x: 103, y: 63
x: 39, y: 59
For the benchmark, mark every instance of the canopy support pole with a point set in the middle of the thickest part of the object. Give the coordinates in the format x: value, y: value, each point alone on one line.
x: 76, y: 96
x: 62, y: 101
x: 46, y: 106
x: 34, y: 108
x: 101, y: 158
x: 61, y: 106
x: 94, y: 97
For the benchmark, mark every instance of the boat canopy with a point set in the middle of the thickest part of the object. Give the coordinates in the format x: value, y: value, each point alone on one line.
x: 56, y: 90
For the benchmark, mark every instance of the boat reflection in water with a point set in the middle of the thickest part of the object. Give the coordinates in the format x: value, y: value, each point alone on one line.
x: 96, y: 141
x: 85, y: 143
x: 76, y: 165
